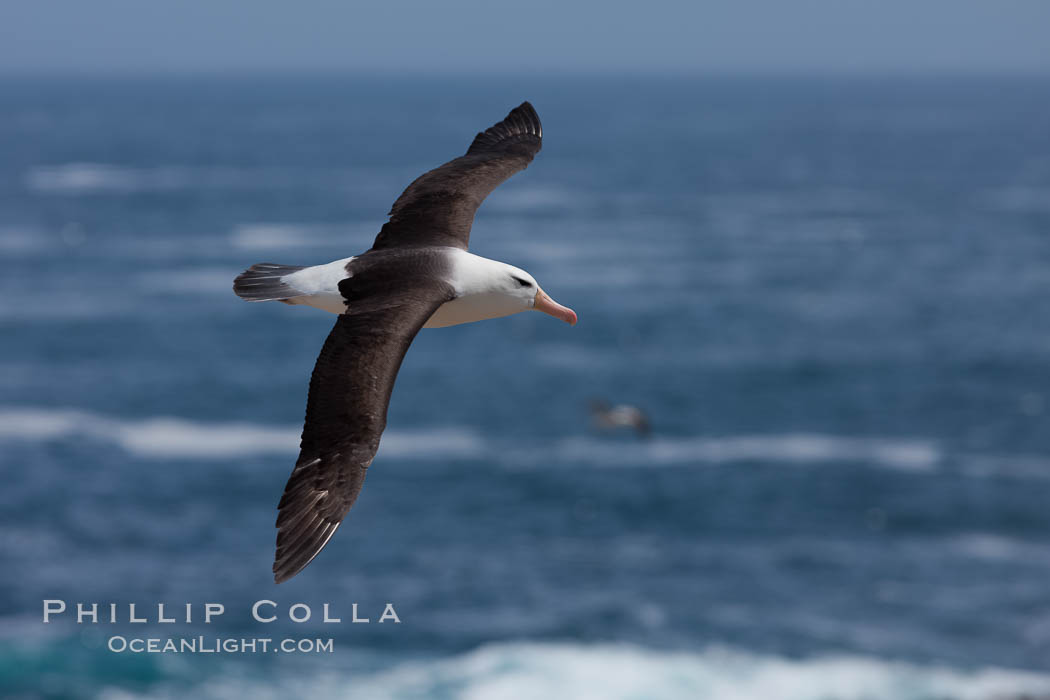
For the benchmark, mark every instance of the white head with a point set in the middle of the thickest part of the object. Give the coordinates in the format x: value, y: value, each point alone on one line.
x: 490, y: 289
x: 522, y: 287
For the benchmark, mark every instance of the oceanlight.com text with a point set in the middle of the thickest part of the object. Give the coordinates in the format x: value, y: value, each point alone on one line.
x: 218, y: 645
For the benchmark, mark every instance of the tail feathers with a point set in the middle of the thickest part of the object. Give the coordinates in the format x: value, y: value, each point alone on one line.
x: 265, y: 282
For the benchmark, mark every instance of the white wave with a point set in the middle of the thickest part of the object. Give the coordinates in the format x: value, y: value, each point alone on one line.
x: 435, y: 442
x: 93, y: 178
x: 282, y: 235
x: 993, y: 547
x: 1016, y: 466
x: 202, y: 280
x: 80, y: 177
x: 532, y: 199
x: 162, y: 437
x: 1021, y: 200
x: 17, y: 240
x: 606, y: 672
x: 167, y: 437
x: 83, y: 178
x: 264, y: 236
x: 570, y: 244
x: 910, y: 455
x: 55, y: 306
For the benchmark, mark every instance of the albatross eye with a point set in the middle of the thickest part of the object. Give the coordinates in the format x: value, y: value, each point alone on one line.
x: 522, y: 282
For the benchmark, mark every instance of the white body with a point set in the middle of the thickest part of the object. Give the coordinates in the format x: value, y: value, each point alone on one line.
x: 482, y: 291
x: 319, y: 286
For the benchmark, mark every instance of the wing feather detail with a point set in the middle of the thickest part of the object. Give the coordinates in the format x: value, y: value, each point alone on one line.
x: 438, y: 208
x: 345, y: 416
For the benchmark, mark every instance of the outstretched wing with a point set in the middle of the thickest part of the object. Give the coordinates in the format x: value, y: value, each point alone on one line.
x: 438, y: 208
x: 345, y: 416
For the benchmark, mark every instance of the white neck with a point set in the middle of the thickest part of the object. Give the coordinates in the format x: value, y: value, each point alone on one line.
x: 481, y: 291
x: 472, y: 274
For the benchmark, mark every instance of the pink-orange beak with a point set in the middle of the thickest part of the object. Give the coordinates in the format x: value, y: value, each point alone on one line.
x: 548, y: 306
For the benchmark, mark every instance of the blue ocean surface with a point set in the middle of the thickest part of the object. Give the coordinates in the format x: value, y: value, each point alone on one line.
x: 832, y: 298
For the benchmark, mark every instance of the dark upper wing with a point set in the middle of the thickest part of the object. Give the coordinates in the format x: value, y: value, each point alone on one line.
x: 438, y: 208
x: 345, y: 416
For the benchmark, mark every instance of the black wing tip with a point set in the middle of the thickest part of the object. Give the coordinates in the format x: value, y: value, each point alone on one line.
x: 280, y: 575
x: 528, y: 113
x: 303, y: 525
x: 521, y: 126
x: 297, y: 547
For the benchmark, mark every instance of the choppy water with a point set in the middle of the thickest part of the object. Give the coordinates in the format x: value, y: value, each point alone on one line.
x: 831, y: 297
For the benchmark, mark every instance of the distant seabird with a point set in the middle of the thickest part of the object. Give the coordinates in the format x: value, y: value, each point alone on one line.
x: 418, y: 274
x: 607, y: 417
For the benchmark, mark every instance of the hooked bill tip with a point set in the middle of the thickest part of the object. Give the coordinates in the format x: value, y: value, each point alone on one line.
x: 548, y: 306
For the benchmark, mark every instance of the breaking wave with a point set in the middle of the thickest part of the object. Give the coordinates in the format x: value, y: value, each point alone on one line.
x: 168, y: 437
x: 171, y: 437
x: 106, y: 178
x: 88, y: 178
x: 553, y: 670
x: 15, y: 241
x: 911, y: 455
x: 277, y: 236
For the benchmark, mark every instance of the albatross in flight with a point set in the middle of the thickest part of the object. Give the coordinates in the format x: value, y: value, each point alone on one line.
x: 418, y: 274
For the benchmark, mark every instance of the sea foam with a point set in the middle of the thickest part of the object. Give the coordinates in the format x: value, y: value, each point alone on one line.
x: 603, y: 672
x: 292, y: 236
x: 106, y: 178
x: 169, y: 437
x: 166, y: 436
x: 905, y: 454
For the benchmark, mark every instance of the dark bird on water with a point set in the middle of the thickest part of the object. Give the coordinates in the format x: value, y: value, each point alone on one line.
x: 417, y: 274
x: 609, y: 417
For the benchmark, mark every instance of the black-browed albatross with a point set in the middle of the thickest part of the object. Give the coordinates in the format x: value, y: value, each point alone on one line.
x: 418, y: 274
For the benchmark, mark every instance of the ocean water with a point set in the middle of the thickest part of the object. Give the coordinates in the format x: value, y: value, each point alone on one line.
x: 831, y: 297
